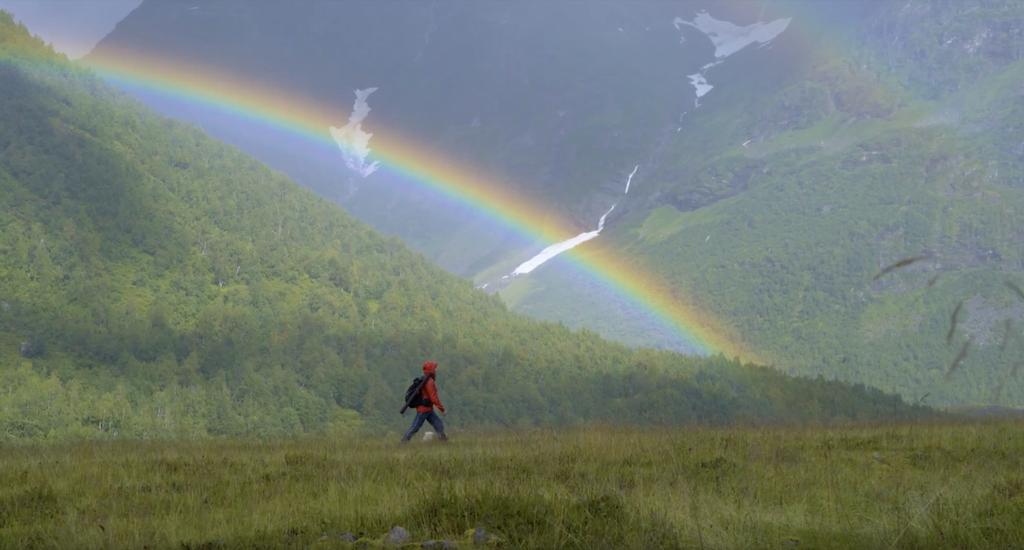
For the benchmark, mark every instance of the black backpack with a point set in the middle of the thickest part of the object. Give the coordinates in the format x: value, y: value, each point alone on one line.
x: 413, y: 395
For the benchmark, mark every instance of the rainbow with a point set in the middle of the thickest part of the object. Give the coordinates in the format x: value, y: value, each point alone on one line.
x: 291, y: 112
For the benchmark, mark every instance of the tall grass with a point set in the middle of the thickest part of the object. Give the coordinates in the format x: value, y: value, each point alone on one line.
x: 906, y: 486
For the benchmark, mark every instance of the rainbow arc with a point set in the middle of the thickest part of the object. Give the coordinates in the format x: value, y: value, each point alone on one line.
x: 291, y: 112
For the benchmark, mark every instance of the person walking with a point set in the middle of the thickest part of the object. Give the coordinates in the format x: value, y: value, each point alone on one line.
x: 425, y: 401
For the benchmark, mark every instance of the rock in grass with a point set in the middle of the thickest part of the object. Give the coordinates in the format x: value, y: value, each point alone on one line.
x: 481, y: 536
x: 396, y: 536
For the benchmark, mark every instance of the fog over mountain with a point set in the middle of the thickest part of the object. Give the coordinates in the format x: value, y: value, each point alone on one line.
x: 779, y: 154
x: 72, y: 27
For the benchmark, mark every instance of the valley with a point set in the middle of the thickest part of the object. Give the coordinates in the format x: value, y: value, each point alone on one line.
x: 688, y: 274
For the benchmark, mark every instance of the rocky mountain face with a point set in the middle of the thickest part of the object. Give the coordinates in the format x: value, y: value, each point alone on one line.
x: 941, y: 47
x: 559, y: 100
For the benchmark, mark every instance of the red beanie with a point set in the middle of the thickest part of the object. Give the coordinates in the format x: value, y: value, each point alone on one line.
x: 429, y: 367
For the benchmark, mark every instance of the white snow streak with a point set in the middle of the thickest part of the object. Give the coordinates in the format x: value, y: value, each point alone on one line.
x: 630, y: 178
x: 558, y: 248
x: 568, y: 244
x: 353, y: 141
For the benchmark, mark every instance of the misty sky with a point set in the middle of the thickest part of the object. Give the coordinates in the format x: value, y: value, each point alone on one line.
x: 71, y: 26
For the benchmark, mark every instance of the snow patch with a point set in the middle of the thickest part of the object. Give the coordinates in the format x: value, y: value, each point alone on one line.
x: 700, y: 84
x: 729, y: 38
x: 353, y: 141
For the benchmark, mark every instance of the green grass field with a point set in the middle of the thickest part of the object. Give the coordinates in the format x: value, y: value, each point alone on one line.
x: 907, y: 486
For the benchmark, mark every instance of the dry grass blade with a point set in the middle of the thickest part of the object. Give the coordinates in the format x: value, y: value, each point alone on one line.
x: 959, y: 358
x: 1008, y: 324
x: 954, y: 320
x: 1016, y: 289
x: 900, y: 264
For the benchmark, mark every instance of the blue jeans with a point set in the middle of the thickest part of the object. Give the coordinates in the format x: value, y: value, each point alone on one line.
x: 417, y: 423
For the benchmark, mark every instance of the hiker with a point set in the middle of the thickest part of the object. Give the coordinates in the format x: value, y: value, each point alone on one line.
x: 425, y: 400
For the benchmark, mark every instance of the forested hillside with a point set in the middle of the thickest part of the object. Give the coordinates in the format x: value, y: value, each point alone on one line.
x: 154, y: 282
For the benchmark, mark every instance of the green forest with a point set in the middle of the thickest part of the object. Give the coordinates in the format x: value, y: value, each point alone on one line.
x: 155, y: 283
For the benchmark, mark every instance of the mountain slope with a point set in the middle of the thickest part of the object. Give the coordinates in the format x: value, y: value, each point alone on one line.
x: 508, y: 88
x: 776, y: 200
x: 807, y: 192
x: 558, y: 101
x: 775, y: 182
x: 154, y: 282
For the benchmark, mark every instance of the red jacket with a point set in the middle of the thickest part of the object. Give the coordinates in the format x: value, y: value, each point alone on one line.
x: 429, y: 390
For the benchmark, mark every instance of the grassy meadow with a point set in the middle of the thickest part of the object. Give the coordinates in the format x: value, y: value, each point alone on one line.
x: 958, y: 485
